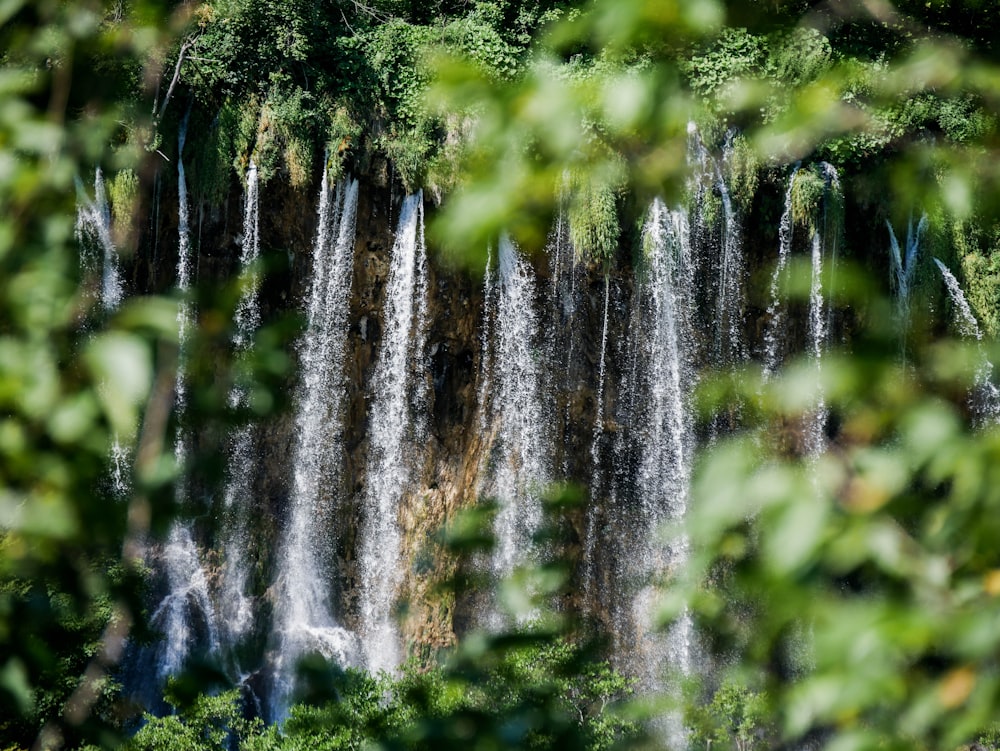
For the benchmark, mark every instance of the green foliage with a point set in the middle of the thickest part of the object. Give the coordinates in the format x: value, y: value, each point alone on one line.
x: 286, y: 134
x: 734, y: 719
x: 859, y: 583
x: 808, y: 191
x: 744, y: 166
x: 64, y: 391
x: 210, y: 723
x: 977, y: 246
x: 734, y: 55
x: 519, y: 691
x: 326, y: 75
x: 593, y: 217
x: 123, y: 191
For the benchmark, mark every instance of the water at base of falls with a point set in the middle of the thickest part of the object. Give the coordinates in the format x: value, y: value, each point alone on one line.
x: 185, y: 615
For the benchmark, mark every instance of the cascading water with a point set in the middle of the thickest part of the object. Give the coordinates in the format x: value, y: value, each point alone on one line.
x: 185, y: 311
x: 235, y: 606
x: 774, y: 333
x: 723, y: 254
x: 99, y: 255
x: 816, y: 422
x: 985, y: 394
x: 597, y: 480
x: 305, y: 621
x: 396, y: 421
x: 729, y: 334
x: 99, y: 259
x: 823, y: 245
x: 518, y: 462
x: 904, y: 264
x: 820, y: 312
x: 563, y: 330
x: 185, y: 616
x: 186, y: 601
x: 661, y: 422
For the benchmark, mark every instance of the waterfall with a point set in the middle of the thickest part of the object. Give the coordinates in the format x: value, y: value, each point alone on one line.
x: 563, y: 330
x: 596, y: 474
x: 968, y: 326
x: 903, y: 265
x: 820, y: 318
x: 99, y: 258
x: 823, y: 250
x: 723, y: 257
x: 518, y: 460
x: 667, y: 348
x: 305, y: 621
x: 185, y: 310
x: 663, y: 429
x: 236, y: 608
x: 186, y: 600
x: 185, y: 615
x: 98, y: 253
x: 775, y: 333
x: 985, y: 394
x: 396, y: 424
x: 729, y: 333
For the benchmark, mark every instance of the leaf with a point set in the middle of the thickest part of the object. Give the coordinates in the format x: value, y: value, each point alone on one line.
x: 121, y: 364
x: 14, y: 680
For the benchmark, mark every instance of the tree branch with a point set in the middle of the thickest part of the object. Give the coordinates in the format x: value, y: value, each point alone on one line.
x: 185, y: 47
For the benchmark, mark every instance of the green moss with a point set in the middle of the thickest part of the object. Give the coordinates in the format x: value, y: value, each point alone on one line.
x: 743, y: 166
x: 978, y: 250
x: 445, y: 168
x: 286, y: 133
x: 123, y: 189
x: 808, y: 190
x: 593, y: 216
x: 237, y: 131
x: 343, y: 132
x: 797, y: 57
x: 736, y: 53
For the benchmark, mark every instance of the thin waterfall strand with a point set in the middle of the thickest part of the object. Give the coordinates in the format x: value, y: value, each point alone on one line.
x: 395, y: 423
x: 99, y: 257
x: 904, y: 263
x: 775, y: 333
x: 186, y: 601
x: 185, y: 616
x: 596, y: 481
x: 985, y: 394
x: 236, y: 605
x: 820, y: 320
x: 666, y: 443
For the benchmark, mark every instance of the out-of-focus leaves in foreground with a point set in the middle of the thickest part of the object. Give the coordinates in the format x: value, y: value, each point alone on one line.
x: 72, y: 81
x: 857, y: 589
